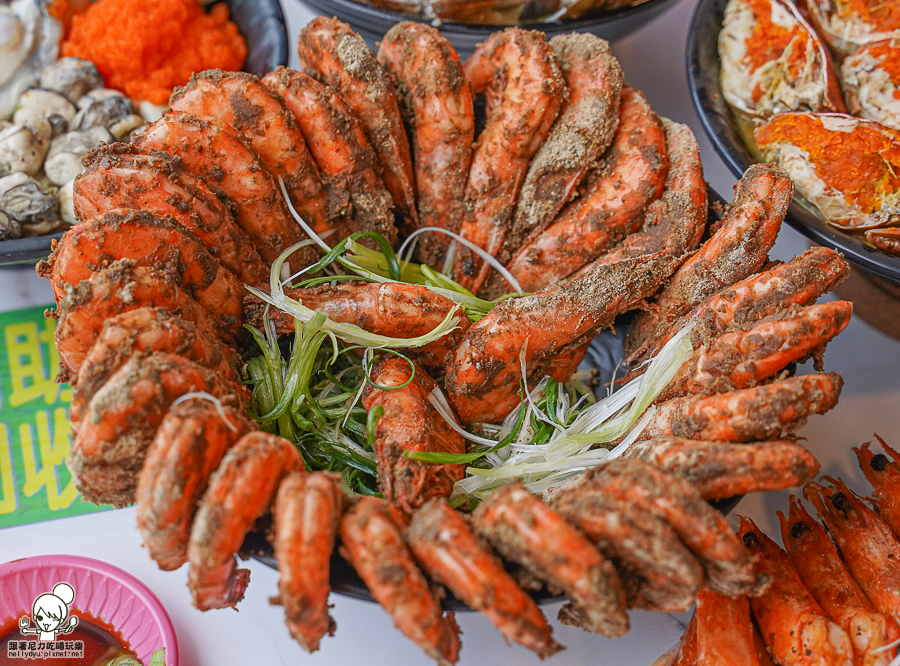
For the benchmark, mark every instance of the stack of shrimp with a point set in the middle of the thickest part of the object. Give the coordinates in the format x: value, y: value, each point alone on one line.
x: 572, y: 177
x: 833, y: 601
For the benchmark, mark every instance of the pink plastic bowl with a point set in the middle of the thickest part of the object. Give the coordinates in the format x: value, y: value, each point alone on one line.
x: 104, y: 591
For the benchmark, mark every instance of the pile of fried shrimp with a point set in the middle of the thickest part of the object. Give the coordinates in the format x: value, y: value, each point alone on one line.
x: 225, y: 230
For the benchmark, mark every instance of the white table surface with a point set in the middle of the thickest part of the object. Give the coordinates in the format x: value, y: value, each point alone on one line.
x: 653, y: 61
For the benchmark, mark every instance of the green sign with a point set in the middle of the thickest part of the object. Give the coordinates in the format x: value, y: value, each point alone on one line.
x: 35, y: 432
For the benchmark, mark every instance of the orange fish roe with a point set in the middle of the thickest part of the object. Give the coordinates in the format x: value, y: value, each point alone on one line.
x: 145, y: 48
x: 863, y: 164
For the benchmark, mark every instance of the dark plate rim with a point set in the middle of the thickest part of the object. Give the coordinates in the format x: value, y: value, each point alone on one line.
x: 458, y: 27
x: 273, y: 48
x: 706, y: 96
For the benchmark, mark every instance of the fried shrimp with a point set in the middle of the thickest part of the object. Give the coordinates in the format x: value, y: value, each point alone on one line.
x: 749, y: 415
x: 702, y: 529
x: 819, y: 564
x: 582, y: 132
x: 437, y: 102
x: 410, y: 423
x: 122, y: 287
x: 628, y: 177
x: 868, y: 547
x: 745, y: 358
x: 719, y: 470
x: 793, y: 625
x: 143, y: 331
x: 121, y: 420
x: 239, y: 492
x: 307, y: 517
x: 449, y: 551
x: 188, y: 446
x: 339, y: 146
x: 335, y: 55
x: 483, y: 376
x: 156, y: 242
x: 678, y: 218
x: 738, y: 249
x: 389, y: 308
x: 517, y: 71
x: 800, y: 281
x: 218, y: 155
x: 374, y: 545
x: 658, y: 572
x: 242, y: 101
x: 526, y: 530
x: 119, y: 176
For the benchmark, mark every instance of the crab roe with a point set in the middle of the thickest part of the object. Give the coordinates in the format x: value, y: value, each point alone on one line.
x: 844, y: 165
x: 145, y: 49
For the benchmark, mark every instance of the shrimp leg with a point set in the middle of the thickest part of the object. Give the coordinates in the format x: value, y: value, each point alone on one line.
x: 444, y: 544
x: 793, y: 625
x: 819, y: 564
x: 437, y: 102
x: 239, y: 492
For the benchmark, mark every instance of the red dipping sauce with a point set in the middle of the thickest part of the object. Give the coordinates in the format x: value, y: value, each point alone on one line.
x: 100, y: 643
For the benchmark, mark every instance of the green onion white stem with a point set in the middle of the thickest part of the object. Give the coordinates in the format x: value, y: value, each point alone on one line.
x: 576, y: 430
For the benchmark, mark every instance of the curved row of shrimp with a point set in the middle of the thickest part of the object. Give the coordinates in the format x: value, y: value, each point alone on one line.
x: 573, y: 177
x: 833, y: 600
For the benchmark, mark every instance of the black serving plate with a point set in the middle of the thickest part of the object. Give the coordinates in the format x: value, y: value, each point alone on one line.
x: 703, y: 67
x: 261, y: 22
x: 605, y: 355
x: 372, y: 23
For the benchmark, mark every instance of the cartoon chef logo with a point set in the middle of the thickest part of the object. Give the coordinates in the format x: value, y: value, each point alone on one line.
x: 50, y: 614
